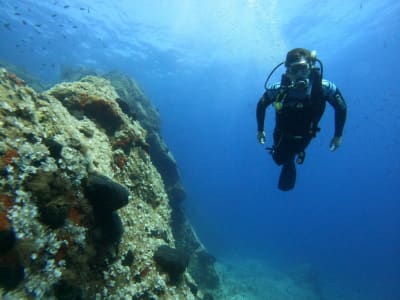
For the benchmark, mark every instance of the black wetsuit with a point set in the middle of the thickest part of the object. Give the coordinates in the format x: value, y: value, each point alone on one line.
x: 297, y: 122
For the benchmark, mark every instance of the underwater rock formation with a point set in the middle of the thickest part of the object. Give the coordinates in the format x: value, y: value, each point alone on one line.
x: 133, y: 102
x: 80, y: 199
x: 23, y: 76
x: 141, y: 109
x: 67, y: 73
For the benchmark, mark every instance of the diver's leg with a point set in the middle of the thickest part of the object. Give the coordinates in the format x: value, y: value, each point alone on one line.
x: 281, y: 148
x: 301, y: 157
x: 284, y: 151
x: 301, y: 150
x: 287, y: 179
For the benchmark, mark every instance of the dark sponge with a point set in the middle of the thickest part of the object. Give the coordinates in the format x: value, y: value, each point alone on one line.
x: 172, y: 261
x: 105, y: 195
x: 7, y: 240
x: 111, y: 228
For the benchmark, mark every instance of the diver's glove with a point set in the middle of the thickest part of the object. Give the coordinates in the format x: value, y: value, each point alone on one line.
x: 261, y: 137
x: 335, y: 143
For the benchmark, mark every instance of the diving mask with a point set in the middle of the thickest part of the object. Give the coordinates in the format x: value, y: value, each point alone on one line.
x: 298, y: 72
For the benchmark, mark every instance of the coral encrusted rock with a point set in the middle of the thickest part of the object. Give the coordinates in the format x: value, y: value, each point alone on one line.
x: 80, y: 199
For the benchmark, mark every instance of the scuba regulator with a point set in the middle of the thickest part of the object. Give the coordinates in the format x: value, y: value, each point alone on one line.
x: 311, y: 73
x: 287, y: 82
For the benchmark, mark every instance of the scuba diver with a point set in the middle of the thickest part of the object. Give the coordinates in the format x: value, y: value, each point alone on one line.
x: 299, y: 101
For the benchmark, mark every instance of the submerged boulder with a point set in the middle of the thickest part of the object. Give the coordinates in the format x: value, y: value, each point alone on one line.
x: 172, y: 261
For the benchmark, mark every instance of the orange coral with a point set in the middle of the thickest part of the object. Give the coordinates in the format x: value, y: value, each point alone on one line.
x: 75, y: 216
x: 63, y: 250
x: 61, y: 253
x: 121, y: 160
x: 15, y: 79
x: 144, y: 272
x: 4, y: 224
x: 9, y: 156
x: 6, y: 201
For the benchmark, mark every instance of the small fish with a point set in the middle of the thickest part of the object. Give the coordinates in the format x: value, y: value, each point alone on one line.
x: 75, y: 26
x: 17, y: 14
x: 66, y: 6
x: 6, y: 25
x: 24, y: 22
x: 82, y: 8
x: 38, y: 25
x: 54, y: 15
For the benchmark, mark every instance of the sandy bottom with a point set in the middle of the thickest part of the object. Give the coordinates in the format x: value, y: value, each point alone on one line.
x: 256, y: 280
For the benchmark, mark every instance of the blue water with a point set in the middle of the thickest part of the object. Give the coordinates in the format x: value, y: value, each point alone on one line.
x: 203, y: 64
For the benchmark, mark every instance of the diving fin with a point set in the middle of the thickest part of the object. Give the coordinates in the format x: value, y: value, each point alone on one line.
x: 287, y: 179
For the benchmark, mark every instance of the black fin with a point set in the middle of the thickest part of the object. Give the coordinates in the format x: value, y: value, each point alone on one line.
x: 287, y: 179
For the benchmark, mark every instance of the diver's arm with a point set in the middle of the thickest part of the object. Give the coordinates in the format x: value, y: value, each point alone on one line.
x: 339, y: 104
x: 260, y: 113
x: 262, y: 105
x: 334, y: 97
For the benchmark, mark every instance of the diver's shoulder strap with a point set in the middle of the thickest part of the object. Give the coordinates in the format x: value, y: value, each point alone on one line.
x: 282, y: 93
x: 316, y: 85
x: 317, y: 99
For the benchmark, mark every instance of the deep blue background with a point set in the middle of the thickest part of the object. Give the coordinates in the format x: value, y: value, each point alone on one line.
x: 204, y: 66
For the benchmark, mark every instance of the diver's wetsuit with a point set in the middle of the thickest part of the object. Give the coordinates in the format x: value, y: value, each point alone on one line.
x: 297, y: 123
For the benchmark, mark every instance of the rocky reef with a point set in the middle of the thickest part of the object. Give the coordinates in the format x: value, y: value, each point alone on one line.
x: 90, y: 197
x: 24, y: 76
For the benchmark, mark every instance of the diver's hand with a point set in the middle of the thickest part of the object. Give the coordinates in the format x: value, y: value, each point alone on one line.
x: 261, y: 137
x: 335, y: 143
